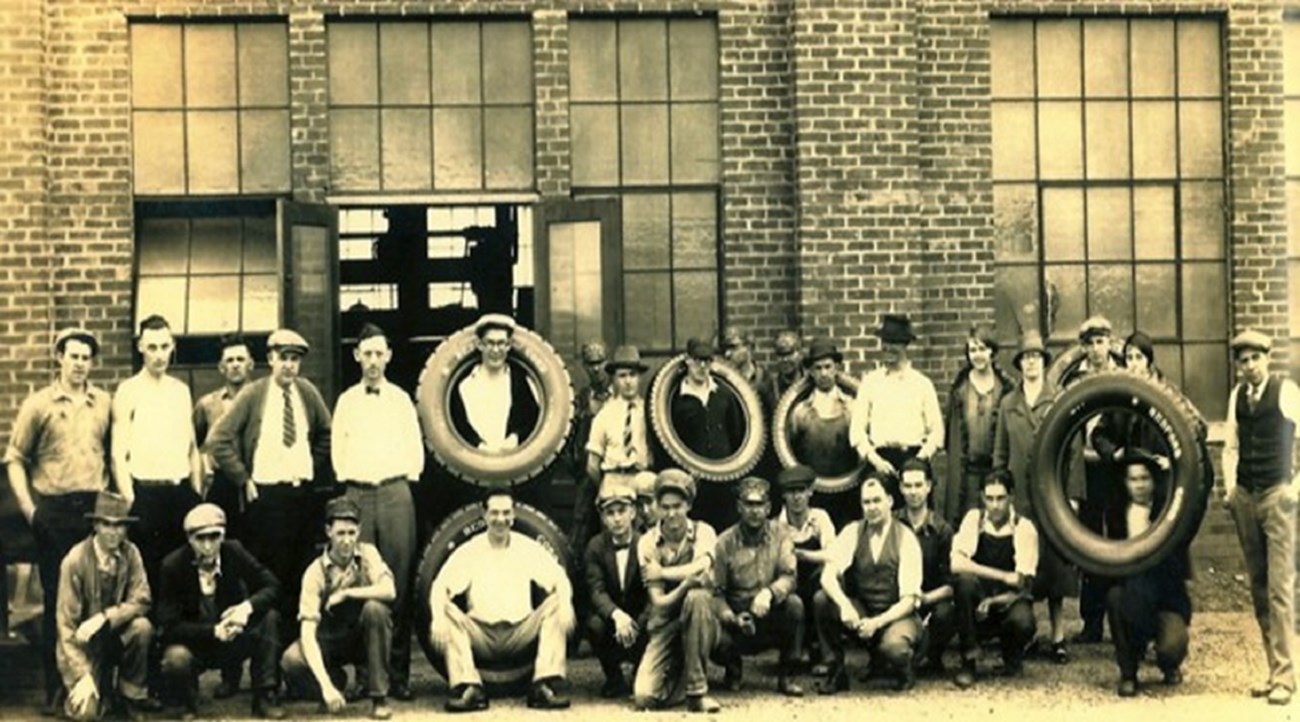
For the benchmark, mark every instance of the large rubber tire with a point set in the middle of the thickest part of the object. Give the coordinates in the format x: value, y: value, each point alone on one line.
x: 1189, y: 482
x: 464, y: 524
x: 546, y: 373
x: 665, y: 384
x: 1065, y: 370
x: 781, y: 439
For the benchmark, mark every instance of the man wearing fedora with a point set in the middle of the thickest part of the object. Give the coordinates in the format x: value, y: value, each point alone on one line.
x: 710, y: 422
x: 56, y: 465
x: 103, y: 625
x: 493, y: 407
x: 819, y: 427
x: 1260, y: 487
x: 216, y: 608
x: 896, y: 413
x: 378, y: 452
x: 275, y: 444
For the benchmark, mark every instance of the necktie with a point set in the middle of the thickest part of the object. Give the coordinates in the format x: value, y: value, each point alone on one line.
x: 290, y: 426
x: 628, y: 451
x: 1252, y: 398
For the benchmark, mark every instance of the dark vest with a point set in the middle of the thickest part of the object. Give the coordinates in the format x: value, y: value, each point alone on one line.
x: 998, y: 552
x: 875, y: 582
x: 1265, y: 438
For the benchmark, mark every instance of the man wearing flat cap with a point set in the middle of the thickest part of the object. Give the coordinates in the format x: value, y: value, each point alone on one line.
x: 274, y: 443
x: 56, y: 464
x: 754, y: 583
x: 103, y: 625
x: 896, y: 413
x: 1260, y: 487
x: 787, y: 368
x: 216, y: 608
x: 812, y: 531
x: 819, y: 427
x: 620, y: 607
x: 711, y: 423
x: 493, y: 407
x: 738, y: 348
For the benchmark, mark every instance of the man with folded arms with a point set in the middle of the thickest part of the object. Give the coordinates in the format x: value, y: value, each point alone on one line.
x: 620, y: 608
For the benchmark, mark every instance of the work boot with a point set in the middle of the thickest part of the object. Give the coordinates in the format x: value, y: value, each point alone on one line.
x: 836, y: 680
x: 965, y: 678
x: 471, y: 699
x: 1128, y: 687
x: 544, y: 696
x: 702, y: 703
x: 266, y: 705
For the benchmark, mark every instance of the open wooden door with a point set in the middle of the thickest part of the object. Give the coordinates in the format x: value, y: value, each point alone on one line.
x: 579, y: 274
x: 309, y: 293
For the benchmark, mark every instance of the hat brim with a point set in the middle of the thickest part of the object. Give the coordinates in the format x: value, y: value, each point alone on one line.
x: 626, y: 500
x: 892, y: 337
x: 111, y: 519
x: 300, y: 350
x: 637, y: 366
x: 674, y: 489
x: 1047, y: 356
x: 1250, y: 346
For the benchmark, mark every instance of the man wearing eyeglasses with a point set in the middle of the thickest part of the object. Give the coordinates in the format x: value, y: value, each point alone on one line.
x: 493, y: 407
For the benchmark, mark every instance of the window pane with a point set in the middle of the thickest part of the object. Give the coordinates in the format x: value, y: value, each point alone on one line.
x: 1066, y: 309
x: 1198, y: 57
x: 1060, y: 140
x: 593, y: 66
x: 215, y: 245
x: 1292, y: 140
x: 647, y: 310
x: 693, y: 54
x: 1152, y: 57
x: 261, y: 303
x: 264, y: 150
x: 1205, y: 302
x: 1155, y: 153
x: 455, y: 50
x: 406, y: 157
x: 263, y: 64
x: 1156, y: 291
x: 695, y: 230
x: 509, y: 147
x: 1012, y: 58
x: 695, y: 303
x: 156, y: 66
x: 1153, y: 222
x: 645, y: 231
x: 1169, y: 358
x: 1062, y: 224
x: 1202, y: 206
x: 259, y: 244
x: 1200, y: 139
x: 404, y: 63
x: 354, y: 149
x: 1110, y: 292
x: 1015, y: 223
x: 457, y: 148
x: 1016, y: 298
x: 213, y: 158
x: 695, y: 143
x: 1206, y: 383
x: 159, y: 162
x: 595, y: 144
x: 1108, y: 140
x: 1109, y: 225
x: 209, y: 66
x: 643, y: 59
x: 353, y: 63
x: 164, y: 296
x: 1058, y: 59
x: 645, y: 136
x: 1013, y: 141
x: 164, y: 246
x: 508, y: 68
x: 1105, y: 46
x: 214, y: 304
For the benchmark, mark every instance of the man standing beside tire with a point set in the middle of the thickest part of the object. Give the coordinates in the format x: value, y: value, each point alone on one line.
x: 618, y: 447
x: 1260, y: 490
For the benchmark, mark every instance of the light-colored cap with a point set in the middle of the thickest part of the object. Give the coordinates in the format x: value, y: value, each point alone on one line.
x: 204, y: 516
x: 1250, y: 338
x: 287, y: 339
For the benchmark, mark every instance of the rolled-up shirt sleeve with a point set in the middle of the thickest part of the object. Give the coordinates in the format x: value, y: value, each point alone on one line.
x: 911, y: 568
x: 1025, y: 542
x: 841, y: 551
x: 313, y: 585
x: 967, y: 538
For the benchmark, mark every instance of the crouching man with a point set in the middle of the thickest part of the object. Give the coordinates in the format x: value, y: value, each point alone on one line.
x: 496, y: 572
x: 616, y: 627
x: 344, y: 617
x: 216, y: 607
x: 102, y: 603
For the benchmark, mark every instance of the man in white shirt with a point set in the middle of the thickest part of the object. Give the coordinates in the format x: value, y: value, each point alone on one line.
x: 377, y: 452
x: 155, y: 459
x: 896, y: 414
x: 493, y: 407
x: 495, y: 571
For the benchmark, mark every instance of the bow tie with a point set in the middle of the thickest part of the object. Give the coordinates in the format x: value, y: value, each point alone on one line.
x: 620, y: 546
x: 372, y: 390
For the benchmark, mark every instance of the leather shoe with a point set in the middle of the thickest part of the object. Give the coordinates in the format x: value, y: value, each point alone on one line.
x: 1261, y: 690
x: 1279, y: 695
x: 267, y: 707
x: 1090, y: 634
x: 1127, y: 688
x: 544, y: 696
x: 1173, y: 677
x: 615, y: 688
x: 401, y: 691
x: 1059, y: 653
x: 789, y: 687
x: 471, y: 699
x: 379, y: 709
x: 702, y: 703
x: 733, y: 675
x: 965, y: 677
x: 836, y: 680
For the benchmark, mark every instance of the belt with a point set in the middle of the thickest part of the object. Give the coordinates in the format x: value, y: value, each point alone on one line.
x: 156, y: 483
x: 292, y: 484
x: 371, y: 486
x: 626, y: 470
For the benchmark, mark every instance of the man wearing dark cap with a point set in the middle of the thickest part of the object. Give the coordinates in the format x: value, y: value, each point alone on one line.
x: 812, y: 532
x: 787, y: 367
x: 275, y: 444
x: 344, y: 616
x: 378, y: 452
x: 754, y: 580
x: 676, y: 557
x: 56, y: 465
x: 738, y: 348
x: 493, y: 407
x: 710, y: 422
x: 102, y: 607
x: 896, y: 413
x: 1260, y: 487
x: 216, y: 608
x: 819, y: 428
x: 620, y: 607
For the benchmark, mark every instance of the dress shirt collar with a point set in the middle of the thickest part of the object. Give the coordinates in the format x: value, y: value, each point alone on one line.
x: 925, y: 528
x: 107, y: 561
x: 759, y: 539
x: 694, y: 390
x: 62, y: 394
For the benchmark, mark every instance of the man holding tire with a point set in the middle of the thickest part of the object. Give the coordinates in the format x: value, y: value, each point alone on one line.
x: 1260, y: 490
x: 493, y: 407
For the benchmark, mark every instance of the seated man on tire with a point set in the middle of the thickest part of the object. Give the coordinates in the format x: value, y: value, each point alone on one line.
x: 496, y: 572
x: 870, y: 588
x: 994, y: 558
x: 617, y: 626
x: 493, y: 407
x: 754, y: 579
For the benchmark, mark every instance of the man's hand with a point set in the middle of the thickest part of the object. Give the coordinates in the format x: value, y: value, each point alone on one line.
x: 84, y: 696
x: 332, y: 698
x: 250, y: 491
x: 225, y: 630
x: 866, y: 628
x: 89, y: 628
x: 762, y: 603
x: 238, y: 614
x: 745, y: 622
x: 625, y: 629
x: 510, y: 443
x: 849, y: 616
x: 1012, y: 579
x: 982, y: 611
x: 337, y: 598
x: 880, y: 463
